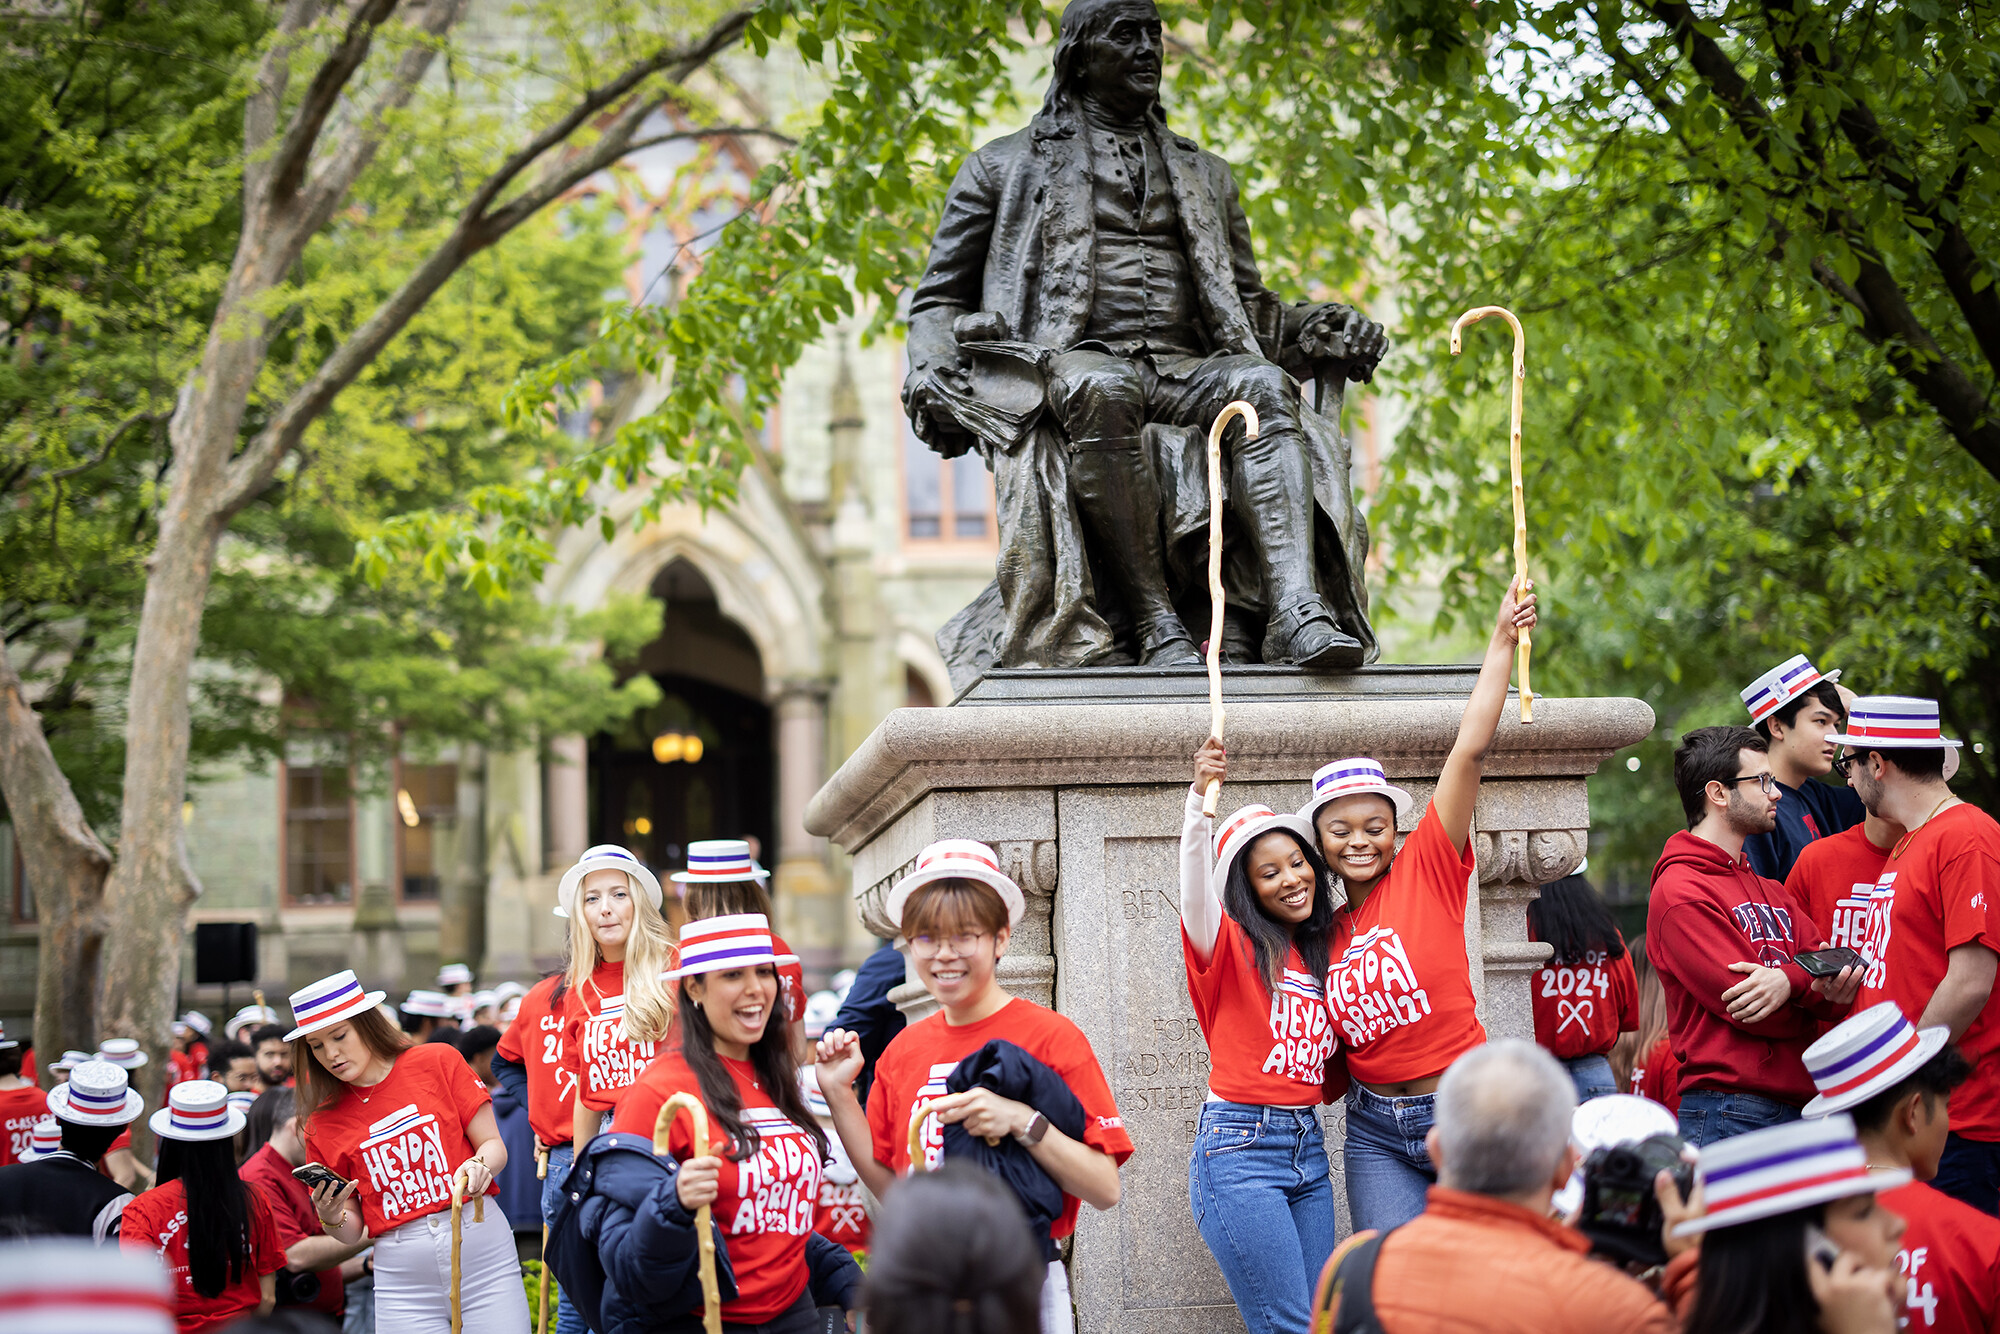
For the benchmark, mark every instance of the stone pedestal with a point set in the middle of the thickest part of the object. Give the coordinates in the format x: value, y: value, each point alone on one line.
x: 1082, y: 801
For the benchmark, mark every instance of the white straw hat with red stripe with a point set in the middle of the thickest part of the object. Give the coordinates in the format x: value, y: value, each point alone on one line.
x: 196, y: 1110
x: 329, y: 1001
x: 97, y: 1094
x: 452, y: 974
x: 1893, y: 722
x: 1776, y: 1170
x: 1866, y: 1053
x: 5, y: 1041
x: 1352, y: 778
x: 68, y: 1061
x: 428, y: 1004
x: 1780, y: 686
x: 956, y: 859
x: 66, y: 1285
x: 1248, y: 824
x: 605, y: 857
x: 717, y: 859
x: 121, y: 1052
x: 250, y: 1016
x: 44, y: 1140
x: 718, y: 944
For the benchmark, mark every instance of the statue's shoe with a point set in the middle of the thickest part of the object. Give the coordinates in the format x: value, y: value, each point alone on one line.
x: 1306, y: 636
x: 1177, y: 652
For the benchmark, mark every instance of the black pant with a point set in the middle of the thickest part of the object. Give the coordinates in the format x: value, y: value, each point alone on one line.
x: 1969, y: 1171
x: 801, y: 1317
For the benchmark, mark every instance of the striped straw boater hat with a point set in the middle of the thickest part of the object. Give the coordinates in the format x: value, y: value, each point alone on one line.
x: 5, y: 1041
x: 66, y: 1285
x: 44, y: 1140
x: 1352, y: 777
x: 1780, y: 686
x: 330, y: 1001
x: 720, y: 859
x: 122, y: 1052
x: 429, y: 1004
x: 1246, y: 826
x: 1774, y: 1171
x: 1893, y: 722
x: 454, y: 973
x: 70, y: 1061
x: 717, y: 944
x: 605, y: 857
x: 1866, y: 1053
x: 956, y: 859
x: 197, y: 1109
x: 97, y: 1094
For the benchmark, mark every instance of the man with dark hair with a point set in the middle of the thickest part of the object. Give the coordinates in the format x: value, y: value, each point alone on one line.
x: 1795, y: 709
x: 21, y: 1103
x: 63, y: 1192
x: 1896, y: 1082
x: 233, y: 1065
x: 1722, y: 939
x: 274, y: 1057
x: 1933, y: 943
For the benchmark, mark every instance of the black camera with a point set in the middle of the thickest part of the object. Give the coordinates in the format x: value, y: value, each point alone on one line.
x: 1621, y: 1215
x: 296, y: 1288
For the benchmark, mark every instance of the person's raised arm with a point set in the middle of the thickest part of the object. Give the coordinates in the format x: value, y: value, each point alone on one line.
x: 840, y: 1063
x: 1458, y: 785
x: 1201, y: 909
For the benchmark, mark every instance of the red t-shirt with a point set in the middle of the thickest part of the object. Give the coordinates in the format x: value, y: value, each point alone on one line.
x: 19, y: 1110
x: 1833, y: 878
x: 914, y: 1065
x: 1580, y: 1009
x: 534, y: 1041
x: 405, y: 1137
x: 1657, y: 1075
x: 156, y: 1221
x: 601, y: 1060
x: 791, y: 982
x: 1951, y: 1260
x: 1399, y: 983
x: 1943, y: 892
x: 841, y: 1214
x: 292, y: 1211
x: 765, y: 1205
x: 1265, y: 1047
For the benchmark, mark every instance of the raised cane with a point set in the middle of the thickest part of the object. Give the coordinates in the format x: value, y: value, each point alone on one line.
x: 458, y: 1238
x: 1215, y: 601
x: 704, y: 1219
x: 1526, y: 644
x: 542, y: 1288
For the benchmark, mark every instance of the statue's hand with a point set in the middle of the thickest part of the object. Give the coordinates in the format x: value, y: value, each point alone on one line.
x: 1341, y: 333
x: 920, y: 393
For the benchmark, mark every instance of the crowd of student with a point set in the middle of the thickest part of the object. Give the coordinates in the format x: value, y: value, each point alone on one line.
x: 1841, y: 1110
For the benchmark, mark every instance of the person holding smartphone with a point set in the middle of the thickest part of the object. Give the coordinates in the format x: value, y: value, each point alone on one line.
x: 396, y: 1125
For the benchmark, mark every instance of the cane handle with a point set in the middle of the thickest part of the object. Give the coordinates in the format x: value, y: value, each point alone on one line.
x: 1525, y: 645
x: 923, y: 1113
x: 704, y: 1218
x: 1216, y: 601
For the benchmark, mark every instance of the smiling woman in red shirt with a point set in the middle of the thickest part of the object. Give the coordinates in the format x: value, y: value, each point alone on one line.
x: 400, y: 1124
x: 1400, y: 985
x: 617, y: 1007
x: 217, y: 1237
x: 1256, y: 955
x: 761, y: 1176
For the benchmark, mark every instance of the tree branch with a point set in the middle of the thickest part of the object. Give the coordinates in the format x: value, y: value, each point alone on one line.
x: 260, y: 112
x: 295, y: 150
x: 104, y: 451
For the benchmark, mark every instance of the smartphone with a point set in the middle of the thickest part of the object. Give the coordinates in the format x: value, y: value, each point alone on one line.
x: 1821, y: 1248
x: 1827, y: 963
x: 316, y: 1175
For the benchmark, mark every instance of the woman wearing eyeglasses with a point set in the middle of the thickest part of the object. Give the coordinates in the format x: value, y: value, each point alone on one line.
x: 1723, y: 940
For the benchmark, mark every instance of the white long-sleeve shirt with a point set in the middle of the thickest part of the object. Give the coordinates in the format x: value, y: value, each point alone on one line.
x: 1201, y: 903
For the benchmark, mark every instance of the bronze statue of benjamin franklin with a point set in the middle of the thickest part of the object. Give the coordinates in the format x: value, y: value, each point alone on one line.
x: 1090, y: 305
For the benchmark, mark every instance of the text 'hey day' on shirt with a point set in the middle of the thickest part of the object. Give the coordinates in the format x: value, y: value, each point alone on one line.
x: 1398, y: 981
x: 1266, y: 1047
x: 1943, y: 891
x: 403, y: 1138
x: 1834, y: 878
x: 595, y: 1049
x: 157, y: 1221
x: 766, y: 1204
x: 534, y: 1041
x: 915, y: 1064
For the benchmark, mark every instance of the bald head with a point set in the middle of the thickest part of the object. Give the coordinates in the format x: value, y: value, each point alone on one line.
x: 1503, y: 1114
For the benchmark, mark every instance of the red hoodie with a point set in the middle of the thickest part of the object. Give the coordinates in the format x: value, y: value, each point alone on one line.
x: 1708, y: 912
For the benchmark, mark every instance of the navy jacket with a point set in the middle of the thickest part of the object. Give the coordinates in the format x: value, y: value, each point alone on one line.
x: 868, y: 1012
x: 1015, y: 1075
x: 1805, y: 814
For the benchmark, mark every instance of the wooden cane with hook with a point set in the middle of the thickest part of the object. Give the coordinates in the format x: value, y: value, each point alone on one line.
x: 704, y: 1218
x: 458, y: 1238
x: 1215, y: 599
x: 1526, y: 643
x: 542, y: 1286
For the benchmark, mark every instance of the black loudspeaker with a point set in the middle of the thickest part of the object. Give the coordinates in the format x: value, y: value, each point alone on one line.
x: 225, y: 952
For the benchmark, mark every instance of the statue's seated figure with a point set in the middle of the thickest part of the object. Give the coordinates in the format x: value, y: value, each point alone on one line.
x: 1091, y: 303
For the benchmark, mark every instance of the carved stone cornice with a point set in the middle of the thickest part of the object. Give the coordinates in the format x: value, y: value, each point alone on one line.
x: 1527, y: 856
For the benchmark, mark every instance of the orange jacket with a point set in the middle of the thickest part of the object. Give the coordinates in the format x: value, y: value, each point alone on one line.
x: 1474, y: 1263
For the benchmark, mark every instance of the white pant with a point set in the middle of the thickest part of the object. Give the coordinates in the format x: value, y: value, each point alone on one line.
x: 1058, y: 1317
x: 413, y: 1276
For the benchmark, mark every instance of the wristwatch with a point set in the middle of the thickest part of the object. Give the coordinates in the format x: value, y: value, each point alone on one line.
x: 1038, y: 1126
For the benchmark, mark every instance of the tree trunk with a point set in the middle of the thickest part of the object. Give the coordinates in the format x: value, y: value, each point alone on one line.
x: 66, y: 864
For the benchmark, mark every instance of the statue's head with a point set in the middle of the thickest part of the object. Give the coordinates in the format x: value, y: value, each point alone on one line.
x: 1111, y: 50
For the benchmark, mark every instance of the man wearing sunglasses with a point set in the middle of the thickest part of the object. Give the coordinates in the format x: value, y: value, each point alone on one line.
x: 1740, y: 1012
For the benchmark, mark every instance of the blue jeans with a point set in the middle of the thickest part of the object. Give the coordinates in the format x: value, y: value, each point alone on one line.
x: 1708, y: 1115
x: 1388, y: 1166
x: 568, y: 1319
x: 1263, y: 1201
x: 1592, y: 1077
x: 1969, y: 1170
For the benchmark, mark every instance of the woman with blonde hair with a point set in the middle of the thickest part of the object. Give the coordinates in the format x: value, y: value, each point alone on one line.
x: 616, y: 1005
